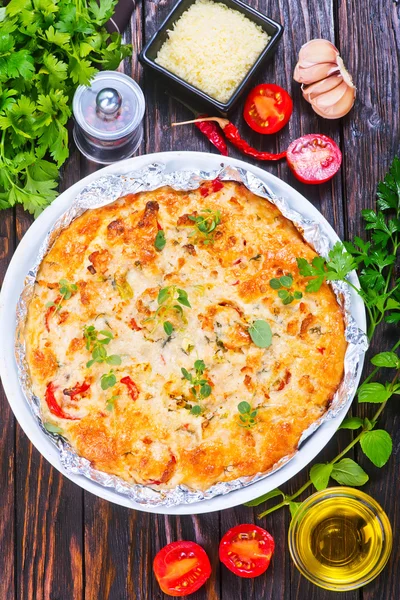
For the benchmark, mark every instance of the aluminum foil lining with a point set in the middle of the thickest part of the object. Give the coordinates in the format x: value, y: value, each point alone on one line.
x: 109, y: 188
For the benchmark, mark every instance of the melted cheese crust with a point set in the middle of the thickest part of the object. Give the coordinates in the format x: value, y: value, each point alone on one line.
x: 149, y: 435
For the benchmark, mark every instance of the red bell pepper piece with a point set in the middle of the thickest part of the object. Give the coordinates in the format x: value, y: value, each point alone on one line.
x: 77, y: 390
x: 132, y: 387
x: 53, y: 405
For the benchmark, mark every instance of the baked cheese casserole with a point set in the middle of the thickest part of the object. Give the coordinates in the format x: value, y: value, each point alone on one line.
x: 171, y: 341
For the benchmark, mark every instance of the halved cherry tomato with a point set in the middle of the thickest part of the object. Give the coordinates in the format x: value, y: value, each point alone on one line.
x: 181, y: 568
x: 314, y: 158
x: 246, y: 550
x: 268, y: 108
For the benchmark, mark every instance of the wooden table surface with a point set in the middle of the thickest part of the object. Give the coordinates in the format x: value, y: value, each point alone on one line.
x: 58, y: 542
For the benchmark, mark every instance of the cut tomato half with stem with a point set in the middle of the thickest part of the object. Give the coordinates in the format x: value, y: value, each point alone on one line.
x: 314, y: 158
x: 246, y: 550
x: 268, y: 108
x: 181, y: 568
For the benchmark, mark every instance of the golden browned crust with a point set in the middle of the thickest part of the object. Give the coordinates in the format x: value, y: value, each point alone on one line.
x: 142, y: 428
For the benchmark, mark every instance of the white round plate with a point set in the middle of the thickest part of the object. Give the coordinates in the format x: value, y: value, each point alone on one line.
x: 12, y: 287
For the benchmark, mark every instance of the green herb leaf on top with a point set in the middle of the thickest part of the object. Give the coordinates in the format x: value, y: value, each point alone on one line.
x: 168, y: 327
x: 170, y: 300
x: 108, y: 380
x: 66, y: 291
x: 260, y: 333
x: 110, y: 404
x: 205, y: 225
x: 160, y: 240
x: 96, y: 346
x: 200, y: 386
x: 247, y: 416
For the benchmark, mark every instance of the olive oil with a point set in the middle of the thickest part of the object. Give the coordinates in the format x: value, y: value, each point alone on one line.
x: 340, y: 542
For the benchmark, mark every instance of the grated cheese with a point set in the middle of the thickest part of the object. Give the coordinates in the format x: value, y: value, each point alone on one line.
x: 212, y: 47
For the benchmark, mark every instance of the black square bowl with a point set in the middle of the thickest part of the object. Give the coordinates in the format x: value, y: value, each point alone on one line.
x: 150, y: 51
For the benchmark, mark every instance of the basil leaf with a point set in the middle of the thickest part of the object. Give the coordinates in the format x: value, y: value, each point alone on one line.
x: 348, y: 472
x: 195, y: 410
x: 352, y: 423
x: 261, y: 334
x: 386, y: 359
x: 264, y: 498
x: 377, y: 446
x: 320, y: 474
x: 373, y: 392
x: 160, y: 240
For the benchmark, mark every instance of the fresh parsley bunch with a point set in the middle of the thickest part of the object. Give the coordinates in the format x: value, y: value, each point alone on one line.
x: 47, y: 49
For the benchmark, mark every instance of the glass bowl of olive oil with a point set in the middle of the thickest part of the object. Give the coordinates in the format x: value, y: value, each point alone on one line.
x: 340, y: 538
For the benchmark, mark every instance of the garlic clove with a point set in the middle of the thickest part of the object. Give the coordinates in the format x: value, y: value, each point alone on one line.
x: 344, y: 72
x: 331, y: 97
x: 317, y: 51
x: 320, y: 87
x: 340, y: 108
x: 314, y: 73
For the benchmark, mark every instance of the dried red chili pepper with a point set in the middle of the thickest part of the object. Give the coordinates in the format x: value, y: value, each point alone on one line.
x: 132, y: 387
x: 77, y: 390
x: 208, y: 128
x: 53, y: 405
x: 213, y: 133
x: 232, y: 135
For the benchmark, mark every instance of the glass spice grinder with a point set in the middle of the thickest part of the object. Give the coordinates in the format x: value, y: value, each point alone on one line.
x: 108, y: 117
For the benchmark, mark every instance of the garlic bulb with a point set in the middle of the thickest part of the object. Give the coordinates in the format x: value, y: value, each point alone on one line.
x: 326, y: 84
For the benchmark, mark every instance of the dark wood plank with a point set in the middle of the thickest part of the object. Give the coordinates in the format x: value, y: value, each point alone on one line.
x: 370, y: 44
x: 7, y: 443
x: 49, y: 507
